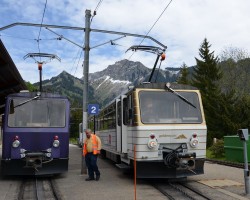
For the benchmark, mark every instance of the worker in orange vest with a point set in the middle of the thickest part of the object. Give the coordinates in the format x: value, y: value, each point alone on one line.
x: 91, y: 149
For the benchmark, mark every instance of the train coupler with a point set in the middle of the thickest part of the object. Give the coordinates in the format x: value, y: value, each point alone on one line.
x: 34, y: 159
x: 179, y: 160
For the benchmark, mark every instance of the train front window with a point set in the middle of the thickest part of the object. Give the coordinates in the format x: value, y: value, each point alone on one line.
x: 166, y: 107
x: 38, y: 113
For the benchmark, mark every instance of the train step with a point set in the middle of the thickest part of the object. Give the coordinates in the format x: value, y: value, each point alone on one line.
x: 122, y: 166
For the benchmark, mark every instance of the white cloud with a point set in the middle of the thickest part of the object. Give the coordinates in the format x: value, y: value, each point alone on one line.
x: 182, y: 27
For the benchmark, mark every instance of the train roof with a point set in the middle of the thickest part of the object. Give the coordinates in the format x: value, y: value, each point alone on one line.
x: 174, y: 86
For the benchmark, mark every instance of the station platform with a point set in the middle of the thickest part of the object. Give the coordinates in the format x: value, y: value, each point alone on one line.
x: 114, y: 184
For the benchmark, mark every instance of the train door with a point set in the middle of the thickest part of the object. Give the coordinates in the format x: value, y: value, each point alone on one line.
x: 118, y: 126
x: 123, y: 124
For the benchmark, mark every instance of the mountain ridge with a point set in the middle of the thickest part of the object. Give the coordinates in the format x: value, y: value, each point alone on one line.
x: 107, y: 84
x: 104, y: 85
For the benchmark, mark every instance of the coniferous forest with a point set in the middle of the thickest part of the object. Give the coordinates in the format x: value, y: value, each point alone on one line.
x: 224, y: 86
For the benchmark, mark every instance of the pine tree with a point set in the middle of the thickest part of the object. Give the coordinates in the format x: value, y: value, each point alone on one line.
x: 31, y: 87
x: 205, y: 77
x: 183, y: 79
x: 206, y: 73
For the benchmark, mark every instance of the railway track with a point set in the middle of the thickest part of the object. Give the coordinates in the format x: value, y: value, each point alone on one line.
x: 179, y: 190
x: 38, y: 189
x: 194, y: 190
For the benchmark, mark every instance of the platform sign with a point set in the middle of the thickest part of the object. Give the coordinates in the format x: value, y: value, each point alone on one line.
x: 93, y: 109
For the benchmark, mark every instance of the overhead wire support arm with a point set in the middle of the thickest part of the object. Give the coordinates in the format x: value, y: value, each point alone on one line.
x: 61, y: 36
x: 130, y: 34
x: 82, y: 29
x: 41, y: 25
x: 110, y: 41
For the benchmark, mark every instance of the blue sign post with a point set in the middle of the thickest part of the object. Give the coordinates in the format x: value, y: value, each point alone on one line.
x: 93, y: 109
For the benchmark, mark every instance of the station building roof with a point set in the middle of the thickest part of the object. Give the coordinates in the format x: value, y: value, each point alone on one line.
x: 10, y: 79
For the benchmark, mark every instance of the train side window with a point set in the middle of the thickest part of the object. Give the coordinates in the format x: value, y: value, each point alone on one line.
x: 119, y: 119
x: 125, y: 111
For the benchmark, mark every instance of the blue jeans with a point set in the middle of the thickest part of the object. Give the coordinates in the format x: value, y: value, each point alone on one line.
x: 91, y: 163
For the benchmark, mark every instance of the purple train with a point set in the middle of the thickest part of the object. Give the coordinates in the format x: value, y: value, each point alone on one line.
x: 35, y: 134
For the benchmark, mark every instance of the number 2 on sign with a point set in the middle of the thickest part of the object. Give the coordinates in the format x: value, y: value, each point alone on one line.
x: 93, y: 109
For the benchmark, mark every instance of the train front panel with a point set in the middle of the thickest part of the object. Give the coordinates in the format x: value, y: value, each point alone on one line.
x: 35, y: 135
x: 169, y: 133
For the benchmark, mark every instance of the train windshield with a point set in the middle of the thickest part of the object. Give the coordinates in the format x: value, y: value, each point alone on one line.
x: 38, y: 113
x: 166, y: 107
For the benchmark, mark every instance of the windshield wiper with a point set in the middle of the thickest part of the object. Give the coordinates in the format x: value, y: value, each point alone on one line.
x: 181, y: 97
x: 36, y: 97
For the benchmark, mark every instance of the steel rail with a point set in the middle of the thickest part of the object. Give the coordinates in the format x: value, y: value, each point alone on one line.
x: 38, y: 188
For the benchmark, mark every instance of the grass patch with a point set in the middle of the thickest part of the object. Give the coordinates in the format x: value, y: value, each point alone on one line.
x: 72, y: 140
x: 210, y: 155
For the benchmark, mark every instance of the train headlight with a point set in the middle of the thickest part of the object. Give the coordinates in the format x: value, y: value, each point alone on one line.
x: 56, y: 143
x: 152, y: 143
x: 194, y: 142
x: 16, y: 142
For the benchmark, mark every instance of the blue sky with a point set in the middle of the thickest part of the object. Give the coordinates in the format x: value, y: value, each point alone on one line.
x: 182, y: 27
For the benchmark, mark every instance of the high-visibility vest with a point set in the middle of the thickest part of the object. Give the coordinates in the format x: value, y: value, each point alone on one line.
x: 94, y: 146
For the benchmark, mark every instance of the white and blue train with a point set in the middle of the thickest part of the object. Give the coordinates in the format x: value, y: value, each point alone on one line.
x: 158, y: 128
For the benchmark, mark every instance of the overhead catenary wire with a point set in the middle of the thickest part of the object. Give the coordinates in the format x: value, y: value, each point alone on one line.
x: 74, y: 60
x: 157, y: 20
x: 81, y: 48
x: 94, y: 14
x: 150, y: 30
x: 78, y: 62
x: 41, y: 25
x: 38, y: 39
x: 23, y: 38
